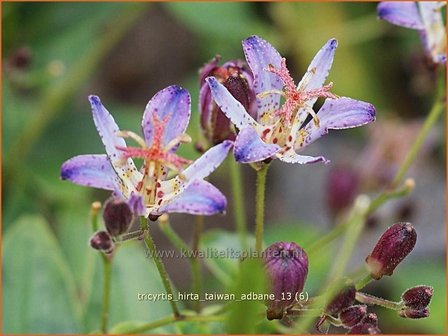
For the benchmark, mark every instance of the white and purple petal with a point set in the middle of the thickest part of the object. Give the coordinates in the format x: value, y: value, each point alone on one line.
x: 250, y: 148
x: 107, y: 129
x: 401, y: 13
x: 338, y: 113
x: 231, y: 107
x: 136, y: 204
x: 434, y: 36
x: 199, y: 198
x: 91, y: 171
x: 259, y: 55
x: 198, y: 170
x: 172, y: 107
x: 319, y: 68
x: 292, y: 157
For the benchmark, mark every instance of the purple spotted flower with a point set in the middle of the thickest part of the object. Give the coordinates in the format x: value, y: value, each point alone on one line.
x: 424, y: 16
x: 281, y: 131
x: 148, y: 190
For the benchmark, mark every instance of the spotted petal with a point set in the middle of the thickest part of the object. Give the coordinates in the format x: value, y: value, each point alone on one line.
x: 319, y: 68
x: 198, y: 170
x: 199, y: 198
x: 172, y: 104
x: 291, y: 157
x: 91, y: 171
x: 107, y: 128
x: 401, y: 13
x: 338, y: 113
x: 259, y: 55
x: 434, y: 36
x: 250, y: 148
x: 231, y: 107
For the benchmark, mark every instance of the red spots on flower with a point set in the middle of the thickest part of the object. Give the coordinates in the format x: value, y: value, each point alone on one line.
x: 148, y: 191
x: 265, y: 133
x: 280, y: 129
x: 290, y: 138
x: 275, y: 140
x: 160, y: 194
x: 158, y: 185
x: 139, y: 186
x: 160, y: 202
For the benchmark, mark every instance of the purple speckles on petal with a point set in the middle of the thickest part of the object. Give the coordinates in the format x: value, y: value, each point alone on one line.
x: 173, y: 105
x: 259, y: 55
x: 250, y: 148
x: 199, y: 198
x: 90, y: 170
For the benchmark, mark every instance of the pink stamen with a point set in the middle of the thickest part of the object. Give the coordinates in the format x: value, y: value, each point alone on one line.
x: 295, y: 98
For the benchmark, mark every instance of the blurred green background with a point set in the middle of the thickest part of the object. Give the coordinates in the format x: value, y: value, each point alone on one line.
x: 56, y: 54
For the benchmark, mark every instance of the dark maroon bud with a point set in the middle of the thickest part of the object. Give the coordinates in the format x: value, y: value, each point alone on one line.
x: 364, y: 329
x: 414, y: 313
x: 352, y: 315
x: 342, y: 187
x: 370, y: 318
x: 392, y: 247
x: 286, y: 265
x: 117, y: 216
x: 238, y: 79
x: 417, y: 297
x: 153, y: 218
x: 345, y: 298
x: 102, y: 241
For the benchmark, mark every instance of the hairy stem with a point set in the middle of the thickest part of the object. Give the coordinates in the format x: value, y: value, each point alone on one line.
x: 373, y: 300
x: 170, y: 320
x: 259, y: 203
x: 107, y: 273
x: 159, y: 264
x: 195, y: 262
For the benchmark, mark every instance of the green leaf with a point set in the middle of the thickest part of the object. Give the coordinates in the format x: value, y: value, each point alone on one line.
x: 38, y: 287
x: 222, y: 249
x: 132, y: 273
x: 124, y: 327
x: 245, y: 312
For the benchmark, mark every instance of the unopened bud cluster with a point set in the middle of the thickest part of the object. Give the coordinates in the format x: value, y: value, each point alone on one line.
x: 117, y: 216
x: 416, y: 301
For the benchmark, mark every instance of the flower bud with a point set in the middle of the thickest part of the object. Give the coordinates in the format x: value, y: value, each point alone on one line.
x: 286, y: 265
x: 392, y: 247
x: 352, y: 315
x: 417, y: 297
x: 414, y: 313
x: 370, y: 318
x: 102, y: 241
x: 117, y: 216
x: 342, y: 187
x: 238, y: 79
x: 364, y: 329
x: 342, y: 300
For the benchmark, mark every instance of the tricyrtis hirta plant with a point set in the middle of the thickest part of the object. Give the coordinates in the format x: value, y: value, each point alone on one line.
x: 280, y: 130
x: 148, y: 190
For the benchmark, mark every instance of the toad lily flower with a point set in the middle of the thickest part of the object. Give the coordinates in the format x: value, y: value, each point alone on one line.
x: 424, y: 16
x: 282, y: 131
x: 147, y: 190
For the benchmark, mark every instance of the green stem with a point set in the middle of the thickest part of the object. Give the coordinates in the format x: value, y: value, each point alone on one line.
x: 239, y: 209
x: 363, y: 282
x: 159, y: 264
x: 387, y: 195
x: 170, y: 320
x: 107, y: 272
x: 195, y: 262
x: 259, y: 203
x: 434, y: 114
x: 373, y: 300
